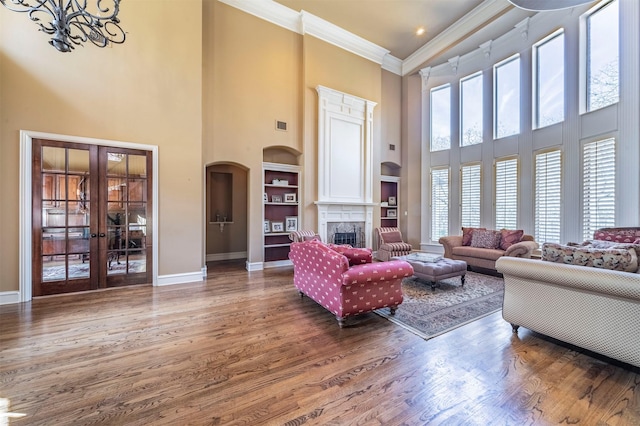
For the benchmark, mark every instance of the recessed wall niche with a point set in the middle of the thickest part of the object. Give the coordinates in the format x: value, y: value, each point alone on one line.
x: 220, y: 197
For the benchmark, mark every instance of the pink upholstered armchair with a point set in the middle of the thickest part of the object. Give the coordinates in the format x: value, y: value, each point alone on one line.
x: 325, y: 276
x: 390, y: 243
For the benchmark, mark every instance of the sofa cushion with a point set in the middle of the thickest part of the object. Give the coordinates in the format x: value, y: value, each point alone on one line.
x: 485, y: 238
x: 467, y: 233
x: 479, y: 253
x: 617, y: 259
x: 620, y: 235
x: 392, y: 237
x: 509, y: 237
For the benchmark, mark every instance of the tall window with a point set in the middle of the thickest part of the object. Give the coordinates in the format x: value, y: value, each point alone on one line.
x: 507, y: 193
x: 439, y: 203
x: 507, y: 97
x: 548, y: 63
x: 441, y: 118
x: 548, y: 196
x: 603, y: 46
x: 598, y: 186
x: 471, y: 110
x: 470, y: 195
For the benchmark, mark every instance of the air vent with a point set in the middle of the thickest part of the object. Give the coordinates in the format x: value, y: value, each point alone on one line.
x: 281, y: 125
x: 392, y: 147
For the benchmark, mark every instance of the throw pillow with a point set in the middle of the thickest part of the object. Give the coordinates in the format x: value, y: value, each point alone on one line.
x: 392, y: 237
x: 485, y: 238
x: 509, y: 237
x: 617, y: 259
x: 467, y: 234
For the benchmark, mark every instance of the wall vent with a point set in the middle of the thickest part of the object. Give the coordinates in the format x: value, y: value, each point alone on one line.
x: 281, y: 125
x: 392, y: 147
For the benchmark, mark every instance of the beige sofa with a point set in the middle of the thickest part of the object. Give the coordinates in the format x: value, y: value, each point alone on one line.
x: 484, y: 257
x: 596, y: 309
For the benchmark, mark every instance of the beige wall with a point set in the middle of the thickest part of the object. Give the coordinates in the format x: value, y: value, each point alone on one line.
x: 146, y: 91
x: 252, y: 73
x: 206, y: 89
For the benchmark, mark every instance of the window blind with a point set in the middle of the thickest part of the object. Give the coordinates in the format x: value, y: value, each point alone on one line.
x: 548, y: 196
x: 598, y: 186
x: 439, y: 203
x: 507, y: 194
x: 470, y: 195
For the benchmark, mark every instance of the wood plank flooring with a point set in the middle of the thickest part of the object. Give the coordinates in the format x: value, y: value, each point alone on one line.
x: 242, y: 348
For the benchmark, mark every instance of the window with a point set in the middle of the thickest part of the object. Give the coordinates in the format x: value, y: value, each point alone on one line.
x: 441, y: 118
x: 548, y: 71
x: 471, y: 110
x: 439, y: 203
x: 470, y: 195
x: 598, y: 186
x: 548, y: 196
x: 603, y: 56
x: 507, y: 98
x: 507, y: 193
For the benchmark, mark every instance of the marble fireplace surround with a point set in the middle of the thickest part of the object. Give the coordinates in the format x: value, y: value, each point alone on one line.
x: 345, y: 169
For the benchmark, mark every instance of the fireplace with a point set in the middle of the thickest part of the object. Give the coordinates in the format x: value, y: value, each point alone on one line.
x: 345, y: 167
x: 346, y: 233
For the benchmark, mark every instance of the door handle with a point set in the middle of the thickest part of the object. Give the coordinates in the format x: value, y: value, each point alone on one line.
x: 102, y: 235
x: 93, y: 235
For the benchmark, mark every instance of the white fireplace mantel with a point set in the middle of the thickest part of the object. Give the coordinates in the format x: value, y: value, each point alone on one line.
x: 345, y: 160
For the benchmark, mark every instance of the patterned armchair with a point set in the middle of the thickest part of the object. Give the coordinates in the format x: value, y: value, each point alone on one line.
x: 390, y: 243
x: 325, y: 276
x: 299, y: 236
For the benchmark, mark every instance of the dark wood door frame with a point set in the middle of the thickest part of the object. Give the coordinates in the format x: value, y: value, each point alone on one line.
x: 24, y: 293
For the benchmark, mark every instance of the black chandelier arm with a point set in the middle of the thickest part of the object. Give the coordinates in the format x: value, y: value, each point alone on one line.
x: 71, y: 23
x: 42, y: 6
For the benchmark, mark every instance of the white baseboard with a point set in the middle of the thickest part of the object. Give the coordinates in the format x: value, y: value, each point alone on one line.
x: 277, y: 264
x: 254, y: 266
x: 9, y: 297
x: 189, y: 277
x: 214, y: 257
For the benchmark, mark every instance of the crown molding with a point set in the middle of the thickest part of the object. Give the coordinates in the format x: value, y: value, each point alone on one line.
x: 479, y: 16
x: 304, y: 22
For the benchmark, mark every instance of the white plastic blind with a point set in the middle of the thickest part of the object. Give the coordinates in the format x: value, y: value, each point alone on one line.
x: 439, y: 203
x: 470, y: 195
x: 548, y: 196
x: 507, y: 194
x: 598, y: 186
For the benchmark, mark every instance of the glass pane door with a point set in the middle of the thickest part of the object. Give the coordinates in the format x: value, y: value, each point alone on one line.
x: 65, y: 219
x: 126, y: 216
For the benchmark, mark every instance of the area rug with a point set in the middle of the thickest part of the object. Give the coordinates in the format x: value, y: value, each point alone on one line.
x: 430, y: 313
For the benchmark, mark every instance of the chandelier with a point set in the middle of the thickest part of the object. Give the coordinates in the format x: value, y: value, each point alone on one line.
x: 543, y: 5
x: 72, y: 23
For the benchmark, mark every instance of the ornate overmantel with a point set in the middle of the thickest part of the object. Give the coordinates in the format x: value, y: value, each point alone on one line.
x: 345, y: 161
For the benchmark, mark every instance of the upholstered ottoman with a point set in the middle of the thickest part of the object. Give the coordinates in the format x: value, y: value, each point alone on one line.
x: 436, y: 271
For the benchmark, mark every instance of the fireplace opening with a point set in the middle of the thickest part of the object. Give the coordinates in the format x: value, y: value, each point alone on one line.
x: 345, y: 238
x: 346, y: 233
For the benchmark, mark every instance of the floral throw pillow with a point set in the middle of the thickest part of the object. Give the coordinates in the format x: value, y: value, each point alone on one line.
x: 509, y: 237
x: 485, y: 238
x: 467, y: 233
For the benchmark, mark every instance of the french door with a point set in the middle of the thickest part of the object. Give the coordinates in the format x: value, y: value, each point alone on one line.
x: 91, y: 217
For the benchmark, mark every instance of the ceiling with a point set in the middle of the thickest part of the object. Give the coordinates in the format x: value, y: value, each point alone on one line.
x: 392, y: 24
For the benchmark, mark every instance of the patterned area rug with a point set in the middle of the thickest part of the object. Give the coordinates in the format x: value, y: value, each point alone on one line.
x: 429, y: 313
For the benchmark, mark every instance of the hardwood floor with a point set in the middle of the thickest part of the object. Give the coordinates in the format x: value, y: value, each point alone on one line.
x: 242, y: 348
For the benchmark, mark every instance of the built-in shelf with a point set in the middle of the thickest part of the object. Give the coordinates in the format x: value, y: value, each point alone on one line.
x: 281, y: 208
x: 389, y: 200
